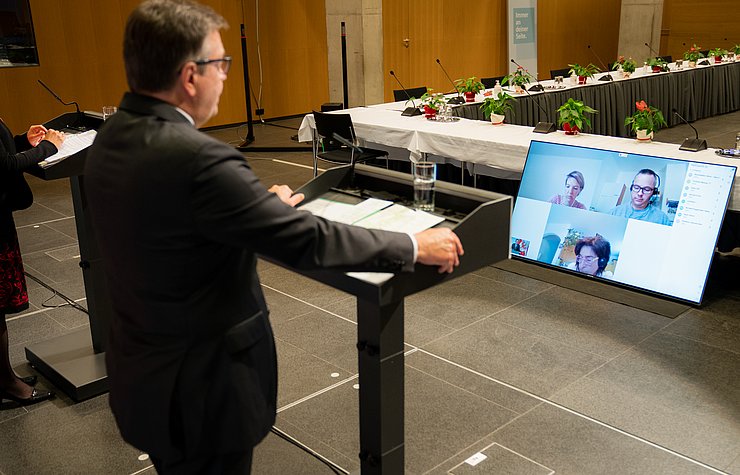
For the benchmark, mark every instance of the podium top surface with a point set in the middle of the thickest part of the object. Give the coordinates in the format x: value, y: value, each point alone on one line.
x: 481, y: 219
x: 73, y: 165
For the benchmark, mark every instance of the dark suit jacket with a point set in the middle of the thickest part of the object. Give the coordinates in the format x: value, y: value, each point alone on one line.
x: 179, y: 217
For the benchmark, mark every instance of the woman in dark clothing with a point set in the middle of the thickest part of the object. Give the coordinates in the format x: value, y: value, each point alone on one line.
x: 16, y: 155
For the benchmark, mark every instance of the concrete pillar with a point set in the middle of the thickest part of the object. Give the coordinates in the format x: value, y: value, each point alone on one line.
x: 640, y: 23
x: 364, y: 24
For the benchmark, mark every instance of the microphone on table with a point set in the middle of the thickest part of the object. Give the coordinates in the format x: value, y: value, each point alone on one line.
x: 77, y: 106
x: 537, y: 87
x: 607, y: 76
x: 409, y: 111
x: 455, y: 100
x: 541, y: 127
x: 691, y: 145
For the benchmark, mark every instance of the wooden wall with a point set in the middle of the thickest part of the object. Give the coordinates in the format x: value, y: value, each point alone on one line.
x: 566, y: 28
x: 80, y: 56
x: 468, y: 42
x: 709, y: 24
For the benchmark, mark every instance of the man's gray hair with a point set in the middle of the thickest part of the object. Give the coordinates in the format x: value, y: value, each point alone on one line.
x: 161, y: 36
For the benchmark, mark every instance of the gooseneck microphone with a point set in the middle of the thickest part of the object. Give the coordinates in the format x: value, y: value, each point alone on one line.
x: 607, y: 76
x: 80, y: 128
x: 537, y: 87
x: 409, y: 111
x: 652, y: 50
x: 455, y: 100
x: 541, y: 127
x: 691, y: 145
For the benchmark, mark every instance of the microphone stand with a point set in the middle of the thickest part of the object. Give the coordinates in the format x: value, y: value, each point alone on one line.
x: 691, y: 145
x: 79, y: 128
x: 455, y: 100
x: 541, y: 127
x: 537, y: 87
x: 409, y: 111
x: 607, y: 76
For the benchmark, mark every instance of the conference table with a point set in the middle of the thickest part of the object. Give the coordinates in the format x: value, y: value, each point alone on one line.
x: 484, y: 149
x: 695, y: 93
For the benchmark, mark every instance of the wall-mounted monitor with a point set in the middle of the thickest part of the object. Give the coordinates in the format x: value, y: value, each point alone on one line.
x: 17, y: 39
x: 642, y: 221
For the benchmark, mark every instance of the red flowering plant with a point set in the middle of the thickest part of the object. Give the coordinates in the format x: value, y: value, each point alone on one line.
x: 645, y: 118
x: 693, y: 54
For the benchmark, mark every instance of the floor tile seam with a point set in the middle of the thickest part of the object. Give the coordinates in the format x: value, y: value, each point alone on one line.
x: 513, y: 285
x: 309, y: 303
x: 575, y: 413
x: 142, y: 470
x: 323, y: 360
x: 455, y: 330
x: 35, y: 312
x: 65, y: 326
x: 275, y: 427
x: 684, y: 337
x: 508, y: 450
x: 335, y: 385
x: 47, y: 221
x: 466, y: 390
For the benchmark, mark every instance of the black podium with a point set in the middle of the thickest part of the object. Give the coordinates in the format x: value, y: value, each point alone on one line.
x: 74, y: 362
x: 480, y: 218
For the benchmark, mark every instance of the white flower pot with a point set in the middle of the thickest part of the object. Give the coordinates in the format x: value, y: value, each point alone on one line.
x: 643, y: 136
x: 497, y: 119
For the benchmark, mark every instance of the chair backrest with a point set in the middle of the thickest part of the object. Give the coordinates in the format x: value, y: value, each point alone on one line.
x: 329, y: 124
x: 667, y: 59
x: 415, y: 92
x: 490, y: 82
x: 559, y: 72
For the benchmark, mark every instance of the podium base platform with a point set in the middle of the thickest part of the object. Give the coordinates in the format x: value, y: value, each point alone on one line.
x: 70, y: 364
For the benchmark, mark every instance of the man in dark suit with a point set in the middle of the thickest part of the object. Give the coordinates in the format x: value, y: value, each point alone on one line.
x: 179, y: 218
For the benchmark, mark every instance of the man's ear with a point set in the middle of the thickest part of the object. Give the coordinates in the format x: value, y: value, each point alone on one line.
x: 187, y: 78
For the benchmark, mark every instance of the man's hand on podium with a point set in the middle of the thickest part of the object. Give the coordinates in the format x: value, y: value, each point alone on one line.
x: 286, y: 195
x: 439, y: 247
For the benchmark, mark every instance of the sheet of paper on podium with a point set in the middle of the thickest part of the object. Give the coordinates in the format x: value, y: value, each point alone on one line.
x: 73, y: 143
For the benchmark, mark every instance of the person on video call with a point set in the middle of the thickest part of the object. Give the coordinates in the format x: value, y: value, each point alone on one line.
x: 643, y: 205
x: 592, y: 256
x: 574, y: 184
x: 179, y: 218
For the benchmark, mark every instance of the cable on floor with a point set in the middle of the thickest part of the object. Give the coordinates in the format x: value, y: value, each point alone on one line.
x: 334, y: 467
x: 57, y: 293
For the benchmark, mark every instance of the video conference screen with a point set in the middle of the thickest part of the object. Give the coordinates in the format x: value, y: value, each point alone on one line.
x: 646, y: 222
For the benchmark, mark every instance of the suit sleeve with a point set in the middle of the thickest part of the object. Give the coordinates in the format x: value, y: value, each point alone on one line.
x: 28, y: 157
x: 231, y: 205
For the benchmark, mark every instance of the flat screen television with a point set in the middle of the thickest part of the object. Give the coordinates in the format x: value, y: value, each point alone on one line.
x: 645, y: 222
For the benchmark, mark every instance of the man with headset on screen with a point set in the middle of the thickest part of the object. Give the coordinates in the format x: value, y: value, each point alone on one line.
x: 645, y: 189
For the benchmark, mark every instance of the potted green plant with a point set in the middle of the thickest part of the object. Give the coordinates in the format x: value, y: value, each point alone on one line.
x: 572, y: 116
x: 626, y: 65
x: 494, y: 108
x: 583, y: 72
x: 657, y: 64
x: 645, y: 121
x: 693, y: 55
x: 469, y: 87
x: 519, y: 79
x: 432, y: 102
x: 717, y: 53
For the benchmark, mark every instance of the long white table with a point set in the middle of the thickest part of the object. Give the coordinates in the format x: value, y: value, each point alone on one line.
x: 498, y: 151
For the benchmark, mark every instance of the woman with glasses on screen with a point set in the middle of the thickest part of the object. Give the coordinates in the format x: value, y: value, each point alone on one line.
x: 592, y: 256
x: 574, y: 184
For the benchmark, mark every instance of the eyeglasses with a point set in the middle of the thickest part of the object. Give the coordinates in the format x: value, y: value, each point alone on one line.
x: 586, y: 259
x: 645, y: 189
x: 223, y: 64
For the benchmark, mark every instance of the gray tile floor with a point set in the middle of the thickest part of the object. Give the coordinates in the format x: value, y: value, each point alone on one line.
x: 536, y: 378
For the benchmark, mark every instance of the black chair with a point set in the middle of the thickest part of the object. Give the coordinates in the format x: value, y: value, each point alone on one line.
x: 565, y: 72
x: 490, y: 82
x: 415, y: 92
x: 332, y: 150
x: 667, y: 59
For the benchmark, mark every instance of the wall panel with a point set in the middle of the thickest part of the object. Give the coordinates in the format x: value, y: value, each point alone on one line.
x: 710, y: 24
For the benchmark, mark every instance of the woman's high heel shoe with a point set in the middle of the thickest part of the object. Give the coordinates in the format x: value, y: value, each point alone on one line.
x: 35, y: 397
x: 30, y: 380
